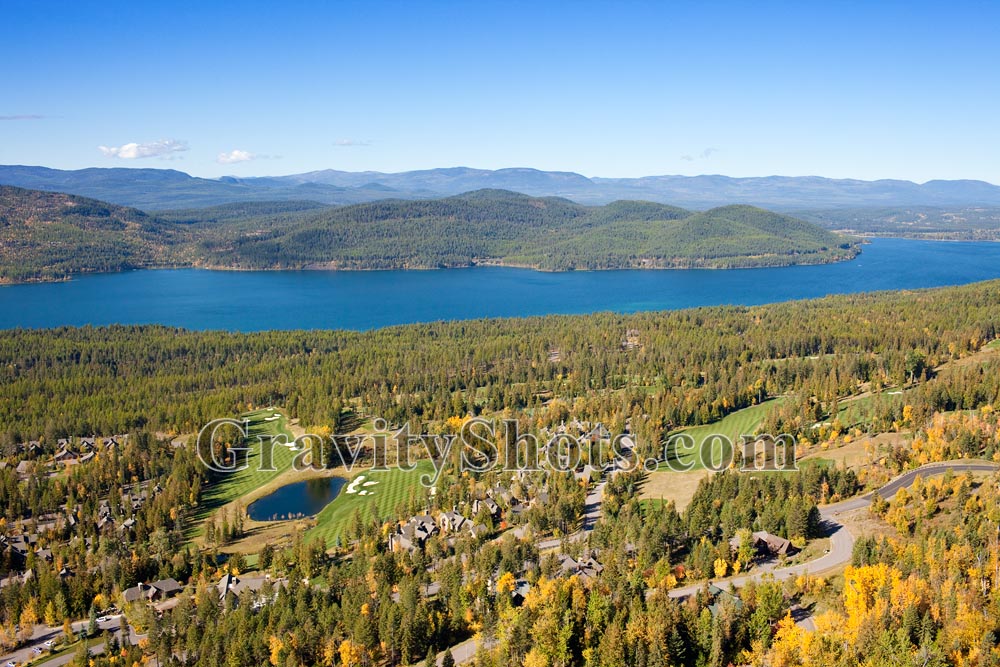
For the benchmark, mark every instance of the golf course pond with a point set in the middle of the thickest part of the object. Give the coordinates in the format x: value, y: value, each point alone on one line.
x: 296, y: 500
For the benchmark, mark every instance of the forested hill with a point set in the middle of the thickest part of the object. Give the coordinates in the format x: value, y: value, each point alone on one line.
x: 50, y: 235
x: 501, y: 227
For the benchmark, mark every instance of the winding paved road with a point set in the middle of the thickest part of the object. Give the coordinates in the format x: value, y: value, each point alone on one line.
x: 841, y: 539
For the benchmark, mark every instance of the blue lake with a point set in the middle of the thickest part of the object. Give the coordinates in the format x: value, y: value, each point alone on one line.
x: 257, y: 300
x: 296, y: 500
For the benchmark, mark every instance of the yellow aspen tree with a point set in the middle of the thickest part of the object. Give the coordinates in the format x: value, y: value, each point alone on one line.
x: 277, y: 647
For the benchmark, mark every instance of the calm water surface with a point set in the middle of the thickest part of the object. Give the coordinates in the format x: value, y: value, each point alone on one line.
x: 295, y: 500
x: 253, y: 301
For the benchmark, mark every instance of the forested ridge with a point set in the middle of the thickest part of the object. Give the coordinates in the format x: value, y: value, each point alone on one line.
x: 51, y: 236
x: 682, y: 368
x: 45, y: 235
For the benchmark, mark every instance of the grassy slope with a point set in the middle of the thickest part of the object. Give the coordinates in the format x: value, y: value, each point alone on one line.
x: 857, y: 411
x: 741, y: 422
x: 238, y: 484
x: 394, y: 486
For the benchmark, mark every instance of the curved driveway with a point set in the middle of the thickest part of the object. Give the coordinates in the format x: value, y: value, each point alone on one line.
x: 591, y: 515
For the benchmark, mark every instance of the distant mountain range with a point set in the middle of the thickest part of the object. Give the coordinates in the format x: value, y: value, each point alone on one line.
x: 160, y: 189
x: 51, y: 236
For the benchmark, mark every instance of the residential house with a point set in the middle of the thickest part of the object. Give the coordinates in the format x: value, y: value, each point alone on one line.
x: 233, y: 587
x: 599, y: 433
x: 451, y: 522
x: 413, y: 534
x: 520, y: 592
x: 158, y: 590
x: 20, y: 579
x: 491, y: 506
x: 766, y: 544
x: 426, y: 591
x: 586, y: 568
x: 721, y: 596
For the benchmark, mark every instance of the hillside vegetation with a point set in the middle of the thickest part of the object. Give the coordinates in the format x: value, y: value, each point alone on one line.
x: 51, y: 235
x: 46, y: 235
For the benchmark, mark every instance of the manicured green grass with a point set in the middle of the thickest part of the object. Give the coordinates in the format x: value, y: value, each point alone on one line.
x: 741, y: 422
x: 807, y: 463
x: 235, y: 485
x: 652, y: 503
x: 858, y: 411
x: 394, y: 486
x: 817, y: 462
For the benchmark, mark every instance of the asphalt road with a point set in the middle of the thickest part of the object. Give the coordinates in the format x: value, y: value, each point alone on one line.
x: 44, y: 633
x: 591, y: 515
x: 463, y: 653
x: 841, y: 540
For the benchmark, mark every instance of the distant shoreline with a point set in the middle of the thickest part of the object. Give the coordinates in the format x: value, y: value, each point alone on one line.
x: 870, y: 235
x: 498, y: 263
x: 480, y: 263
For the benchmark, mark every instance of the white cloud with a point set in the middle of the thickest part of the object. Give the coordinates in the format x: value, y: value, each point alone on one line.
x: 704, y: 155
x: 24, y: 116
x: 132, y: 151
x: 234, y: 156
x: 347, y: 143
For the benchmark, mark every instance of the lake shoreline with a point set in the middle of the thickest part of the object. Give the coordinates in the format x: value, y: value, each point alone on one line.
x: 641, y: 265
x: 245, y: 300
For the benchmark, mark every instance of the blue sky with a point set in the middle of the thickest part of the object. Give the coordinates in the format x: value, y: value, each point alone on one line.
x: 847, y: 89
